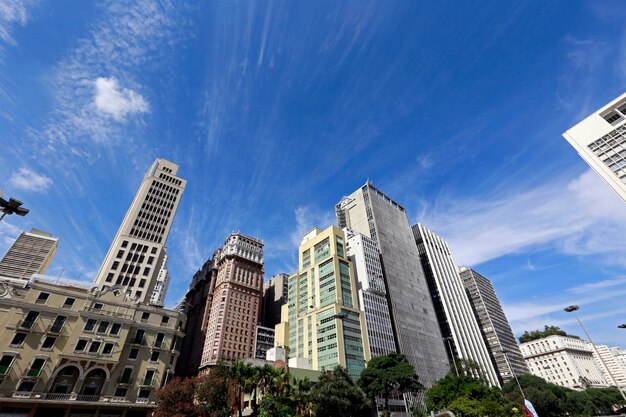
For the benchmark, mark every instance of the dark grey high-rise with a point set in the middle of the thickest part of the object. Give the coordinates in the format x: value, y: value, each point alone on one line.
x: 370, y: 212
x: 494, y: 325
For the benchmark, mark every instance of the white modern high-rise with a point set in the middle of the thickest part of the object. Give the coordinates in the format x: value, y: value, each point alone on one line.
x: 610, y: 358
x: 31, y: 253
x: 563, y: 360
x: 138, y: 249
x: 161, y: 285
x: 600, y: 140
x: 452, y: 304
x: 363, y: 253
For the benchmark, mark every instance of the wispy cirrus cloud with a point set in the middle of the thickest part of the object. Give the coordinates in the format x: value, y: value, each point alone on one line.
x: 12, y: 13
x: 565, y: 214
x: 29, y: 180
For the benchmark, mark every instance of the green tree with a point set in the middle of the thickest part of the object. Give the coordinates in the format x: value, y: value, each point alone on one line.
x: 386, y: 374
x: 300, y: 395
x: 529, y: 336
x: 549, y: 399
x: 212, y: 392
x: 240, y: 376
x: 337, y: 395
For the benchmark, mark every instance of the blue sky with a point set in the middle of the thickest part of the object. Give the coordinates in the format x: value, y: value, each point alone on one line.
x: 275, y: 110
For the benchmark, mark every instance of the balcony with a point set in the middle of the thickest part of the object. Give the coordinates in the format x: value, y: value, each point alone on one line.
x: 83, y: 397
x: 106, y: 312
x: 58, y: 397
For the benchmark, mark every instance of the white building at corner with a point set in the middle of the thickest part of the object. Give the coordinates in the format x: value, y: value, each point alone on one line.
x: 563, y: 360
x: 611, y: 363
x: 600, y: 140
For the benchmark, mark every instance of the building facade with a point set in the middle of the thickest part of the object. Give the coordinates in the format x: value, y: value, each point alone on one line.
x: 68, y: 347
x: 600, y: 140
x: 31, y: 253
x: 274, y: 297
x: 363, y: 254
x: 138, y: 249
x: 564, y: 361
x: 373, y: 214
x: 264, y: 340
x: 161, y: 285
x: 452, y: 305
x: 194, y: 305
x: 494, y: 325
x: 608, y: 361
x: 323, y: 325
x: 235, y: 298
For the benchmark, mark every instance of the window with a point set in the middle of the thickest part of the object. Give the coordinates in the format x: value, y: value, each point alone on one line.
x: 144, y: 393
x: 48, y: 343
x: 103, y: 327
x: 81, y: 345
x: 97, y: 306
x: 134, y: 352
x: 125, y: 377
x: 18, y: 339
x: 69, y: 302
x: 95, y: 347
x: 29, y: 320
x: 145, y: 316
x: 154, y: 357
x: 115, y: 329
x: 150, y: 260
x: 165, y: 320
x: 115, y: 265
x: 35, y: 367
x: 107, y: 349
x: 124, y: 243
x: 120, y: 254
x: 58, y: 323
x: 153, y: 251
x: 146, y: 272
x: 26, y: 386
x: 120, y: 392
x: 158, y: 342
x: 43, y: 297
x: 142, y: 283
x: 149, y: 376
x: 5, y: 363
x: 89, y: 326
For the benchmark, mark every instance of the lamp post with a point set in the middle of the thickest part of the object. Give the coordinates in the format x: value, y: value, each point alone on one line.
x: 456, y: 369
x: 573, y: 309
x: 506, y: 359
x: 12, y: 207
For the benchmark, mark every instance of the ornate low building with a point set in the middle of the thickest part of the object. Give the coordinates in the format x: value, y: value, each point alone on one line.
x: 71, y: 349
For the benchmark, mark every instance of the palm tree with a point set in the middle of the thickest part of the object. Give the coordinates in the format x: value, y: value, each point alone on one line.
x: 240, y: 376
x: 300, y: 395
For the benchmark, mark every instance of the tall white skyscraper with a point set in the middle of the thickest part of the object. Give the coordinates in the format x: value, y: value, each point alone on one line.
x: 452, y: 304
x: 31, y: 253
x: 138, y: 249
x: 600, y: 140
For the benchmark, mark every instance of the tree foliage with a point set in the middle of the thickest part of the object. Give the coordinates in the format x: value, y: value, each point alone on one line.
x: 336, y: 394
x: 386, y: 374
x: 529, y: 336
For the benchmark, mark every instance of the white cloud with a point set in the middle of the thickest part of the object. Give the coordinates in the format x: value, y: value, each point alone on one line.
x: 29, y: 180
x: 116, y: 101
x: 579, y: 217
x: 12, y: 12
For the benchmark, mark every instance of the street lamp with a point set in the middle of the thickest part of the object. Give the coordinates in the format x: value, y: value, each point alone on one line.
x: 573, y: 309
x: 12, y: 207
x: 506, y: 359
x: 448, y: 339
